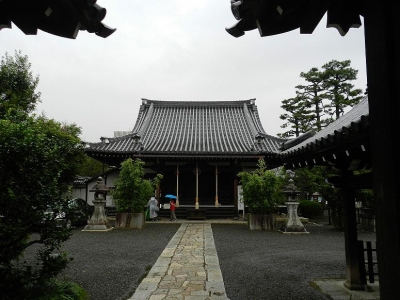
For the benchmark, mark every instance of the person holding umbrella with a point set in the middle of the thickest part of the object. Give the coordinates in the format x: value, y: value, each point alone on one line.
x: 172, y: 207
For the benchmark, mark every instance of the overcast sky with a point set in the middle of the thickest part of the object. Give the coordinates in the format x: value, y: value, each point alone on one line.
x: 173, y: 50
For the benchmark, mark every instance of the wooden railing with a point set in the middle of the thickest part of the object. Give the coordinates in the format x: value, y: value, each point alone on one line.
x: 367, y: 261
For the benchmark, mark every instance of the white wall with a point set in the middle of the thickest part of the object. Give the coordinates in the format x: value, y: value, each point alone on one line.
x: 108, y: 180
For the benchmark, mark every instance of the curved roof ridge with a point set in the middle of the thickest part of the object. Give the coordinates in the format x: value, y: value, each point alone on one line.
x: 198, y: 102
x: 140, y: 118
x: 253, y: 128
x: 143, y: 126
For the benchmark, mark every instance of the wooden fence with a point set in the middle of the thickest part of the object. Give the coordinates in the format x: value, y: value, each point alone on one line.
x: 367, y: 261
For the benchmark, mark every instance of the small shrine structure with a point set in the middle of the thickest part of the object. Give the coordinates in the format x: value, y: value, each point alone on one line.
x: 293, y: 223
x: 99, y: 220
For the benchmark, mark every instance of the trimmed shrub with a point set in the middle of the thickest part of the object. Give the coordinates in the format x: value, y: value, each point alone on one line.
x: 310, y: 209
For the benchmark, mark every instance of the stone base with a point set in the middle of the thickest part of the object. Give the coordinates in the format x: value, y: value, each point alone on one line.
x: 293, y: 229
x: 293, y: 232
x: 101, y: 228
x: 282, y: 219
x: 356, y: 286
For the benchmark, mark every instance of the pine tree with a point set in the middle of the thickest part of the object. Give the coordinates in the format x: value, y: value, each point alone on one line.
x: 337, y: 76
x: 313, y: 95
x: 297, y: 117
x: 321, y: 100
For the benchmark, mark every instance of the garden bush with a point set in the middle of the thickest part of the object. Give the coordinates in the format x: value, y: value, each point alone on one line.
x: 310, y: 209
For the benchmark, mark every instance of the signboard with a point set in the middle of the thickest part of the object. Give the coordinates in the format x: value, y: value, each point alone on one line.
x: 240, y: 198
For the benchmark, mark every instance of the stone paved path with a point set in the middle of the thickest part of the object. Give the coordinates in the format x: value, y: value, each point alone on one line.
x: 187, y: 269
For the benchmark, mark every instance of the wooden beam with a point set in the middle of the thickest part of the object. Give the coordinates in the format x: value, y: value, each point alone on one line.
x: 361, y: 181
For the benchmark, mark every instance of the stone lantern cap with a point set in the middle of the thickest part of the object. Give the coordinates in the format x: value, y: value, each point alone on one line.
x: 291, y: 188
x: 100, y: 187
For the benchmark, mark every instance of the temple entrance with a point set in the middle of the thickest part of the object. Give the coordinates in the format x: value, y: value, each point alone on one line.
x: 206, y: 188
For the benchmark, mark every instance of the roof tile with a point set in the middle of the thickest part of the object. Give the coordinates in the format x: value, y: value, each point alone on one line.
x: 194, y: 127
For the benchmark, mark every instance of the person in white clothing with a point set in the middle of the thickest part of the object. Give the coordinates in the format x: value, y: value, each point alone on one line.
x: 153, y: 207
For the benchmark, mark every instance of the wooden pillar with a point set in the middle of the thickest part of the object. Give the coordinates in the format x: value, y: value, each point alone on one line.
x: 235, y: 195
x: 158, y: 192
x: 382, y: 48
x: 216, y: 186
x: 177, y: 186
x: 353, y: 278
x: 158, y: 189
x: 197, y: 186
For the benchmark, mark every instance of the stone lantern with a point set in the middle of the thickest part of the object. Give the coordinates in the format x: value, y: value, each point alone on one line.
x: 293, y: 223
x: 99, y: 221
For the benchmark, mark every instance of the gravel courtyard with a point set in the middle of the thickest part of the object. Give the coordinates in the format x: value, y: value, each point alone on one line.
x: 255, y: 264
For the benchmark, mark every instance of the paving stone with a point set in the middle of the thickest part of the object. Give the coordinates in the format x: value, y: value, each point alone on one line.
x: 188, y: 269
x: 180, y: 272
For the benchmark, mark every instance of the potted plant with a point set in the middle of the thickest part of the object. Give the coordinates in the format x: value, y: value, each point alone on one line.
x: 131, y: 194
x: 261, y: 193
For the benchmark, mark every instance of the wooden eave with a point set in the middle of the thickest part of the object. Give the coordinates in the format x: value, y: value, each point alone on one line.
x: 62, y: 18
x: 276, y: 17
x: 344, y: 144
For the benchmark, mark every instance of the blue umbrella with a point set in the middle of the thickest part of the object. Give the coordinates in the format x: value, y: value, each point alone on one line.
x: 170, y: 196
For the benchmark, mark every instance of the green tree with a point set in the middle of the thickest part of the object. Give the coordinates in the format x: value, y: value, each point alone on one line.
x: 17, y: 84
x: 38, y: 161
x: 320, y: 101
x: 37, y: 164
x: 132, y: 191
x: 262, y: 189
x: 337, y: 76
x: 325, y: 94
x: 309, y: 180
x: 365, y: 196
x: 297, y: 117
x: 91, y: 167
x: 313, y: 96
x: 333, y: 197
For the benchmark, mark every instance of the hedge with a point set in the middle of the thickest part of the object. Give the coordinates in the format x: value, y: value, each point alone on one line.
x: 310, y: 209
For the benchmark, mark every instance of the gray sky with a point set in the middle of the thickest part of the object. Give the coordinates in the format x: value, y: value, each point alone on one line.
x: 173, y: 50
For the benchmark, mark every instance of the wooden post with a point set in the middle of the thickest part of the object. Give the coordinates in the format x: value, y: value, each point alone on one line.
x: 382, y: 48
x: 353, y: 278
x: 197, y: 186
x: 236, y: 196
x: 177, y: 186
x: 216, y: 186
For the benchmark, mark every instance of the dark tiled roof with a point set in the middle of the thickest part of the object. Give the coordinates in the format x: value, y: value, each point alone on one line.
x: 193, y: 127
x: 81, y: 180
x: 350, y: 130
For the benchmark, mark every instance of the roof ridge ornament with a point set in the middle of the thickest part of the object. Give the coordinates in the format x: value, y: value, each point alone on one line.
x: 136, y: 137
x: 104, y: 140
